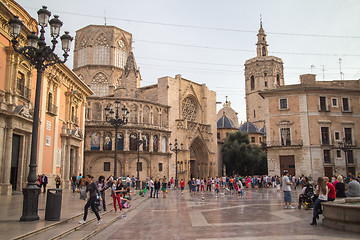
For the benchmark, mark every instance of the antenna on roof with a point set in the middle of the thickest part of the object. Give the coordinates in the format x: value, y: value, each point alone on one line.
x: 323, y: 70
x: 341, y: 73
x: 260, y: 21
x: 312, y: 67
x: 105, y: 17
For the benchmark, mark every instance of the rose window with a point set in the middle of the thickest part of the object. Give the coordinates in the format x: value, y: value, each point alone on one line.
x: 189, y: 109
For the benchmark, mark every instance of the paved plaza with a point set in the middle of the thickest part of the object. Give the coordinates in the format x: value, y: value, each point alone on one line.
x: 258, y: 215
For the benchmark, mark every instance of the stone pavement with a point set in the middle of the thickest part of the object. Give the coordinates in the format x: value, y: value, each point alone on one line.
x: 259, y: 215
x: 71, y: 213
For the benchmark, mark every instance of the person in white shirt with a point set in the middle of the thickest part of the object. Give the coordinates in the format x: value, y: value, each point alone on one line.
x: 286, y: 186
x: 322, y: 192
x: 151, y: 188
x: 197, y: 184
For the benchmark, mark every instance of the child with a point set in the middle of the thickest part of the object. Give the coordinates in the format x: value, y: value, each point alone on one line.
x: 217, y: 189
x: 240, y: 187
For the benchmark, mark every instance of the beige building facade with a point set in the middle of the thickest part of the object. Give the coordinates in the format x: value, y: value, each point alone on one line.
x: 306, y: 122
x: 174, y: 108
x: 62, y: 112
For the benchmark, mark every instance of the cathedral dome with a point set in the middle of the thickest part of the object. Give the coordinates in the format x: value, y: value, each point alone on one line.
x: 249, y: 127
x: 225, y: 122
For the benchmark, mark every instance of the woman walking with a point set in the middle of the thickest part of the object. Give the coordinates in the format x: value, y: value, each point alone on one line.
x: 163, y: 188
x: 322, y: 192
x: 202, y: 184
x: 102, y: 186
x: 94, y: 193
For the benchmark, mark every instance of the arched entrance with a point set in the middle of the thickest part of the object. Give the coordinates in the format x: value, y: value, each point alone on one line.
x: 199, y: 162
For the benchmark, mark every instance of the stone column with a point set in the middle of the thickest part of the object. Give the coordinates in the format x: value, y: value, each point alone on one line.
x: 126, y: 140
x: 67, y: 166
x: 141, y: 147
x: 101, y: 140
x: 6, y: 188
x: 151, y: 145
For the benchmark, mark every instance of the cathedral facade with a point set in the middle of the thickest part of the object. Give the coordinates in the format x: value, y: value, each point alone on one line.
x: 174, y: 108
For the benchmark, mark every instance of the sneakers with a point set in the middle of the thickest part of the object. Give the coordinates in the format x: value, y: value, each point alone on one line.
x: 81, y: 221
x: 286, y: 207
x: 99, y: 222
x: 291, y: 207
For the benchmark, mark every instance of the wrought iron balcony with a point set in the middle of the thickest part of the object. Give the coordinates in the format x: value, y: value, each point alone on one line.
x: 23, y: 91
x: 291, y: 143
x: 51, y: 109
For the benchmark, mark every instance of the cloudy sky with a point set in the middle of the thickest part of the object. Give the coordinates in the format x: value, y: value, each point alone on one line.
x: 208, y: 41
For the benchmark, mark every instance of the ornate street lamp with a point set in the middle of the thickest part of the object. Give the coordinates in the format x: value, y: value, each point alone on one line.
x: 116, y: 121
x: 41, y: 56
x: 138, y: 142
x: 176, y: 150
x: 345, y: 146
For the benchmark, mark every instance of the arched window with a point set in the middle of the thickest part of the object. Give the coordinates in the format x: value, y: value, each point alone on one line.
x: 145, y: 138
x: 100, y: 85
x: 133, y: 114
x: 252, y: 82
x: 156, y: 117
x: 155, y: 143
x: 146, y: 114
x: 264, y: 51
x: 133, y: 142
x: 163, y: 144
x: 101, y: 51
x: 278, y: 79
x: 95, y: 141
x: 107, y: 145
x: 120, y: 142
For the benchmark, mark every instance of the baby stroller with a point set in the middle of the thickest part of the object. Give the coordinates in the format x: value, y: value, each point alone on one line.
x: 306, y: 199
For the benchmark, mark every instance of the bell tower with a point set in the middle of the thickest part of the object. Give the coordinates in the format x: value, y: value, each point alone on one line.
x: 262, y: 72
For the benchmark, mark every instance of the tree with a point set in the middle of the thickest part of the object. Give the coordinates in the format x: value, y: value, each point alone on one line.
x: 241, y: 158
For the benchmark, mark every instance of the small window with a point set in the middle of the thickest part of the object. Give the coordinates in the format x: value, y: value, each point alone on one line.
x: 265, y: 84
x: 334, y: 102
x: 160, y: 167
x: 139, y: 166
x: 106, y: 166
x: 283, y: 103
x: 252, y: 82
x: 254, y: 114
x: 227, y: 134
x: 346, y: 104
x: 337, y: 135
x: 218, y: 135
x: 338, y: 153
x: 252, y: 139
x: 327, y: 156
x: 48, y: 141
x: 278, y: 79
x: 323, y: 106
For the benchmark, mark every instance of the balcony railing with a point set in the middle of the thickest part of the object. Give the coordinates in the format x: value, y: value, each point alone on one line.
x: 292, y: 143
x: 23, y: 91
x: 52, y: 109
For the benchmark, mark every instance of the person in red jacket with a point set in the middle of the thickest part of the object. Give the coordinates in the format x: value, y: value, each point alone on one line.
x: 332, y: 191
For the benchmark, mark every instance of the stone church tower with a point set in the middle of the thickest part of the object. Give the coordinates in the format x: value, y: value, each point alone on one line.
x: 262, y: 72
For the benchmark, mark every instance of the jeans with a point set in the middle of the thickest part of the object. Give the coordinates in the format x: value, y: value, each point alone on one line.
x: 197, y: 187
x: 317, y: 207
x: 91, y: 203
x: 208, y: 188
x: 73, y: 186
x: 156, y: 193
x: 151, y: 191
x: 102, y: 194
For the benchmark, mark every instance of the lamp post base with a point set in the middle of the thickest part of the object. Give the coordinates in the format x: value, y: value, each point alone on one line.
x: 30, y: 203
x: 137, y: 185
x: 176, y: 183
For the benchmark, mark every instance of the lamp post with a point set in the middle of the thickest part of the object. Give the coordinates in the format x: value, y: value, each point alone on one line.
x: 41, y: 56
x: 116, y: 121
x: 345, y: 145
x: 138, y: 142
x: 176, y: 150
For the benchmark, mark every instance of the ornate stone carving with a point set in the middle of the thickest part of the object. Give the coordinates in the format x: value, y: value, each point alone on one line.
x: 188, y: 109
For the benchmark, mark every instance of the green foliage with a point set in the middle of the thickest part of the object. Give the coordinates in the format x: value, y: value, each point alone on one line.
x: 241, y: 158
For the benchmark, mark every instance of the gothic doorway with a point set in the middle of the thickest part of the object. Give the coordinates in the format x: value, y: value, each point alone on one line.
x: 199, y: 166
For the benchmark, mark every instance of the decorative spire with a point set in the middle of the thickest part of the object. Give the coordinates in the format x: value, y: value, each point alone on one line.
x: 130, y: 64
x: 261, y: 44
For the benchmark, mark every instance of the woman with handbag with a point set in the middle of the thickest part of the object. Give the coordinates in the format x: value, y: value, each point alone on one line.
x: 94, y: 193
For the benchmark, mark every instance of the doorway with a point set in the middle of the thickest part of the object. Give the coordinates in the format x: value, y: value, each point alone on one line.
x: 15, y: 161
x: 328, y: 172
x: 198, y: 159
x: 287, y: 163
